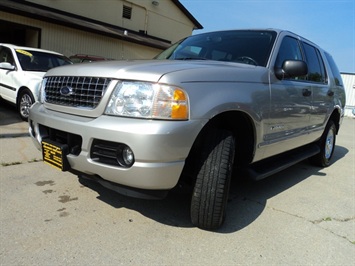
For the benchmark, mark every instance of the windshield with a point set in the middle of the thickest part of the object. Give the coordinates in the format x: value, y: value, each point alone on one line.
x: 40, y: 61
x: 249, y: 47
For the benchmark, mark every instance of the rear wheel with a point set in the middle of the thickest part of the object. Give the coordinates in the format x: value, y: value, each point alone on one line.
x: 327, y: 145
x: 210, y: 194
x: 25, y: 101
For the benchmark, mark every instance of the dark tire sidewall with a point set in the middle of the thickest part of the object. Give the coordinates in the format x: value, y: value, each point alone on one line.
x: 210, y: 194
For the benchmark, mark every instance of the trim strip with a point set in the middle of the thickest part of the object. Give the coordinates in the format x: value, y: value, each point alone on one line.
x: 7, y: 87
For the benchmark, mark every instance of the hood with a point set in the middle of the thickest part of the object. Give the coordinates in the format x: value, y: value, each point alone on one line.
x: 144, y: 70
x: 34, y: 74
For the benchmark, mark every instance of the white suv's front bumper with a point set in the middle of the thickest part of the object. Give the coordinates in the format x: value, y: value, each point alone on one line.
x: 160, y: 147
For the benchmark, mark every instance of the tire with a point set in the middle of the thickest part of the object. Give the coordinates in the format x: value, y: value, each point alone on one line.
x: 210, y: 193
x: 24, y: 103
x: 327, y: 145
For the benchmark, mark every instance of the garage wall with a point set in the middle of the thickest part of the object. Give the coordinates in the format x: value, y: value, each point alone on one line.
x: 163, y: 20
x: 167, y: 20
x: 71, y: 41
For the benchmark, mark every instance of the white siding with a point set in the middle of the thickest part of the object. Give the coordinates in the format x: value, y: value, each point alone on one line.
x: 70, y: 41
x: 349, y: 85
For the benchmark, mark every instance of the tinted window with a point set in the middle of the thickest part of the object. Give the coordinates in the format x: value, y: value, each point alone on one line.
x: 334, y: 68
x: 6, y: 55
x: 289, y: 50
x: 249, y: 47
x: 315, y: 64
x: 40, y: 61
x: 321, y: 62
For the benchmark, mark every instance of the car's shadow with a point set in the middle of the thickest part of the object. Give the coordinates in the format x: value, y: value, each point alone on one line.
x: 10, y: 118
x: 246, y: 202
x: 8, y: 114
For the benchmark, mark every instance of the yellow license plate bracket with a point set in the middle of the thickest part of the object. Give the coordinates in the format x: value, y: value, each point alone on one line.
x: 55, y: 154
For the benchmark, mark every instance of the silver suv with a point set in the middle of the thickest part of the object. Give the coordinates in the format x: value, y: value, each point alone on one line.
x: 247, y: 102
x: 21, y: 72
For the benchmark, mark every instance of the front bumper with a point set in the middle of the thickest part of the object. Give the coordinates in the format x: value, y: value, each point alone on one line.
x: 160, y: 147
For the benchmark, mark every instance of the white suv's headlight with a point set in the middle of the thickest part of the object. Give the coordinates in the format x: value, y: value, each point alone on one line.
x: 148, y: 100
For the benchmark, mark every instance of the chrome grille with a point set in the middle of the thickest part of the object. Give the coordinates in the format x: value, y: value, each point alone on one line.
x: 83, y: 92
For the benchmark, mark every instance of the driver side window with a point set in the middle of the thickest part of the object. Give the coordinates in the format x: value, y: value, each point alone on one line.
x: 6, y: 56
x: 289, y: 50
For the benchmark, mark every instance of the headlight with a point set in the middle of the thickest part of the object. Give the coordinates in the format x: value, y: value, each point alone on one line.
x: 148, y: 100
x: 41, y: 93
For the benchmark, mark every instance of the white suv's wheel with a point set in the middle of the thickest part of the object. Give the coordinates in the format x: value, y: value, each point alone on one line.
x: 210, y: 194
x: 25, y: 102
x: 327, y: 145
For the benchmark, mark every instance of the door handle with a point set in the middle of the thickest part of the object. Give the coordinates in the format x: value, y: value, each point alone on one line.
x: 306, y: 92
x: 330, y: 93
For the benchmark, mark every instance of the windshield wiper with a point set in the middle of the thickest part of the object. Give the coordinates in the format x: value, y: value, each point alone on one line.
x: 36, y: 70
x: 191, y: 58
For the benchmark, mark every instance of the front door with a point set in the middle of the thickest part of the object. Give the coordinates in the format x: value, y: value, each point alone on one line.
x: 7, y: 89
x: 290, y: 105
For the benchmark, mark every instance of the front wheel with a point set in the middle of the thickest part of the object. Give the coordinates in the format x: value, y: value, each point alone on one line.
x: 327, y: 145
x: 25, y: 102
x: 210, y: 194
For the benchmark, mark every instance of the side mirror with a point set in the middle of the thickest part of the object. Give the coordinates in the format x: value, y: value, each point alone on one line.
x: 291, y: 69
x: 7, y: 66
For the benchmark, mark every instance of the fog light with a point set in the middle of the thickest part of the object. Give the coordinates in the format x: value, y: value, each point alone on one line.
x: 127, y: 156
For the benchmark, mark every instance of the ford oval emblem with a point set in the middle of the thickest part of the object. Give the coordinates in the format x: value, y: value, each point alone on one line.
x: 66, y: 91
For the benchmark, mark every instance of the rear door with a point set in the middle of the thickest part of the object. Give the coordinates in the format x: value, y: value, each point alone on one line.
x: 322, y: 96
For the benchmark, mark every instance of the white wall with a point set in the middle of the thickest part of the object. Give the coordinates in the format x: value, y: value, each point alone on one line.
x: 70, y: 41
x: 349, y: 84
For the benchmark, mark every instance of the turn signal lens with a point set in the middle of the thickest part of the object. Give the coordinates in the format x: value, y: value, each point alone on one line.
x: 179, y: 106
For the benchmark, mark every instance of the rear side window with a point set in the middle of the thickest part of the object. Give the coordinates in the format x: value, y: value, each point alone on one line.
x: 335, y: 70
x: 316, y: 70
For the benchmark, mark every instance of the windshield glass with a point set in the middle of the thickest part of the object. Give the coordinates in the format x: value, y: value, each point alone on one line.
x: 249, y: 47
x: 40, y: 61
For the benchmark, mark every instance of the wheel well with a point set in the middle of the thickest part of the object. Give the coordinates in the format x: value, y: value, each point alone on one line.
x: 335, y: 117
x: 19, y: 93
x: 243, y: 130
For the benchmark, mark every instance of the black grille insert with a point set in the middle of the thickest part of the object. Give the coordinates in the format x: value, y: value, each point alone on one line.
x: 73, y: 141
x: 83, y: 92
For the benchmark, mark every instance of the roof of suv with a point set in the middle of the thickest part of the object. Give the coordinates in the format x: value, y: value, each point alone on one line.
x: 16, y: 47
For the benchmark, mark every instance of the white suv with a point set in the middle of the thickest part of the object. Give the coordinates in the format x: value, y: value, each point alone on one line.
x: 21, y: 72
x: 247, y: 102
